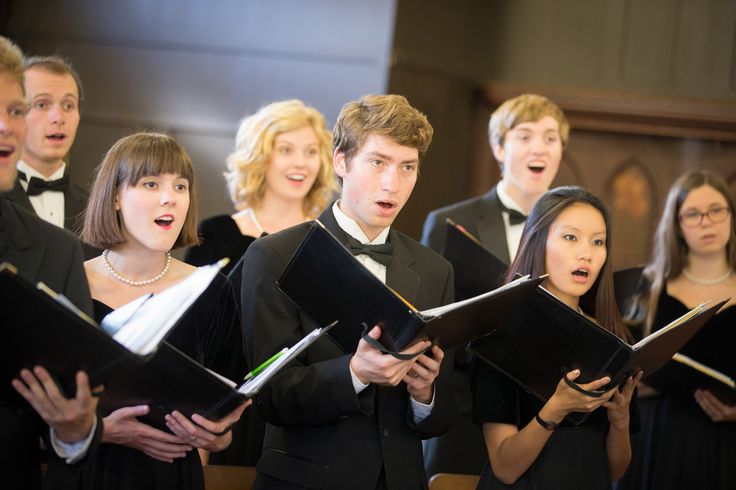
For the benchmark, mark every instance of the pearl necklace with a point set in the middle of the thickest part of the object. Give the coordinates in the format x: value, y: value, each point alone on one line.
x: 706, y: 282
x: 131, y: 282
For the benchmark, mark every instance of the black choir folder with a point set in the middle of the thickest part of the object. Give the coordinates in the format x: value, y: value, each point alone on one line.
x: 538, y: 343
x: 44, y: 328
x: 682, y: 375
x: 476, y: 269
x: 327, y: 283
x: 545, y: 338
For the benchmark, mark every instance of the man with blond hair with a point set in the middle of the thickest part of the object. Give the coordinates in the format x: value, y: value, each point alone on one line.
x: 527, y: 136
x: 40, y: 252
x: 340, y: 419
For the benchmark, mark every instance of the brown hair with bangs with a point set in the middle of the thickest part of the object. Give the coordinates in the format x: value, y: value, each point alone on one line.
x: 126, y: 162
x: 388, y: 115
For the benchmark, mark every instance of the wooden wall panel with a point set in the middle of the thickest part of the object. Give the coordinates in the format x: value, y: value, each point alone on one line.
x: 320, y: 29
x: 649, y: 30
x: 196, y: 68
x: 676, y: 47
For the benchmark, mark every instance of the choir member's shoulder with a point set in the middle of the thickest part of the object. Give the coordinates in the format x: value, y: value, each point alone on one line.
x: 423, y: 256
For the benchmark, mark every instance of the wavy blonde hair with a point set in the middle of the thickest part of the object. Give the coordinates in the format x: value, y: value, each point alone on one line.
x: 247, y: 165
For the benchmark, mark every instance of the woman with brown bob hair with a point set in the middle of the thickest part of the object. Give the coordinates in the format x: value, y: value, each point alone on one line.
x: 279, y: 175
x: 142, y: 205
x: 529, y: 442
x: 689, y: 439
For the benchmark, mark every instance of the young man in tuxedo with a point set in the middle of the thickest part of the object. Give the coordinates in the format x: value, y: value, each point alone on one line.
x: 527, y: 136
x: 353, y: 419
x: 54, y: 92
x: 40, y: 252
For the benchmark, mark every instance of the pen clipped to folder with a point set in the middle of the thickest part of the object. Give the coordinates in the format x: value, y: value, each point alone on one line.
x: 265, y: 364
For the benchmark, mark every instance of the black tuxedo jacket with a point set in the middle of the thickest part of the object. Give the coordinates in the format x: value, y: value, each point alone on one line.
x: 75, y: 204
x: 41, y: 252
x: 481, y: 216
x: 321, y: 434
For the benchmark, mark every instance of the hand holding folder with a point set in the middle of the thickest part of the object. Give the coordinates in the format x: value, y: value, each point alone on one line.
x: 45, y: 329
x: 544, y: 339
x: 328, y: 283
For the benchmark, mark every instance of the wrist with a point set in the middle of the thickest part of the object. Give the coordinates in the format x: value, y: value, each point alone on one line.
x: 546, y: 424
x: 551, y: 413
x: 70, y: 435
x: 355, y: 372
x: 220, y: 443
x: 620, y: 424
x: 423, y: 396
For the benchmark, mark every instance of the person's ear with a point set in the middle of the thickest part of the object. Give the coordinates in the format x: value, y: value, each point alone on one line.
x: 499, y: 153
x: 339, y: 163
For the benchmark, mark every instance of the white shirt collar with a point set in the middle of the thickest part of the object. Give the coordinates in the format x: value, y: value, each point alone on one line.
x: 32, y: 172
x: 351, y: 227
x: 507, y: 200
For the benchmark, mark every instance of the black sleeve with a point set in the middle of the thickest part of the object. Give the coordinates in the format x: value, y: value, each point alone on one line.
x: 309, y: 392
x: 433, y: 232
x: 443, y: 416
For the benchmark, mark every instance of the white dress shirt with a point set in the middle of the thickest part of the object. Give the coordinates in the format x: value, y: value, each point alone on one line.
x: 513, y: 232
x: 74, y: 451
x: 349, y: 226
x: 49, y: 205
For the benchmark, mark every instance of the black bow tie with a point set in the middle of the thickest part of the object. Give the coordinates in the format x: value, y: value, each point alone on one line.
x: 380, y: 253
x: 515, y: 217
x: 38, y: 186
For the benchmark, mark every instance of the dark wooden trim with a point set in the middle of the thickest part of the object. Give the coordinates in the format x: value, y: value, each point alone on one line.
x: 679, y: 117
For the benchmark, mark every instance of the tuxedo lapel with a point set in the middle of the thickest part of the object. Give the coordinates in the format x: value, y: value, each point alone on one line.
x: 327, y: 218
x: 400, y: 276
x: 19, y: 197
x: 75, y: 202
x: 26, y: 254
x: 490, y: 227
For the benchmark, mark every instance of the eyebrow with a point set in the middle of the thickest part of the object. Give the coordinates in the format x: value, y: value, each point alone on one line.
x: 387, y: 157
x: 712, y: 204
x: 46, y: 94
x: 530, y: 130
x: 575, y: 228
x: 291, y: 143
x: 281, y: 138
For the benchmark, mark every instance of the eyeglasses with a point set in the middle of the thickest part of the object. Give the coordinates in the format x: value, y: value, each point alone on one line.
x: 694, y: 217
